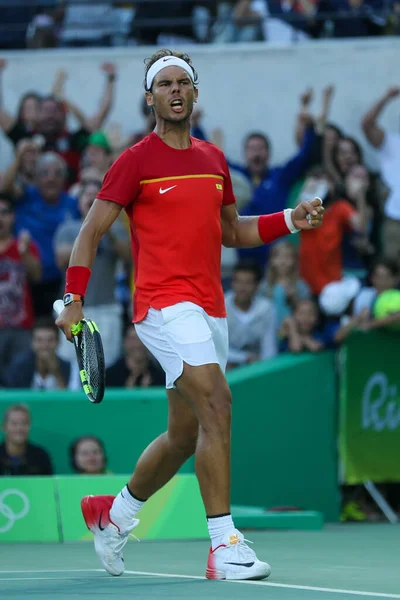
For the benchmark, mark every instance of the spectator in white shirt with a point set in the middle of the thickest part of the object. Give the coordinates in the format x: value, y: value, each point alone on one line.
x: 251, y: 318
x: 388, y: 146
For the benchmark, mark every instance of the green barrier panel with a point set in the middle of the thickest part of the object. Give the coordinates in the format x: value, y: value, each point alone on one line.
x: 175, y: 512
x: 127, y: 421
x: 284, y: 430
x: 284, y: 434
x: 370, y: 408
x: 28, y: 511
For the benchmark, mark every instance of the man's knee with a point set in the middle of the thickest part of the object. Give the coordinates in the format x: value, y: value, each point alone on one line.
x: 210, y: 396
x: 184, y: 439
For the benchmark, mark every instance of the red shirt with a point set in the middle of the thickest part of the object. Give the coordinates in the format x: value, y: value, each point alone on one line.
x: 321, y: 249
x: 16, y: 309
x: 173, y: 199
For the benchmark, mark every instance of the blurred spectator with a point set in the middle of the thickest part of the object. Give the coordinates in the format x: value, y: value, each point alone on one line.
x: 100, y: 302
x: 290, y: 20
x: 240, y: 22
x: 251, y: 318
x: 19, y: 264
x: 383, y: 276
x: 336, y: 301
x: 88, y: 456
x: 197, y: 130
x: 40, y: 368
x: 346, y: 153
x: 25, y: 123
x: 320, y: 254
x: 149, y: 123
x: 358, y: 248
x: 271, y: 185
x: 23, y: 170
x: 18, y: 456
x: 327, y: 134
x: 177, y: 23
x: 95, y: 122
x: 388, y: 146
x: 40, y: 209
x: 300, y: 332
x: 355, y: 18
x: 283, y: 284
x: 98, y: 153
x: 52, y: 126
x: 135, y: 368
x: 88, y: 24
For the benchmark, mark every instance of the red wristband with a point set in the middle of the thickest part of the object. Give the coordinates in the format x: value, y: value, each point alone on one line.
x: 272, y: 227
x: 76, y: 280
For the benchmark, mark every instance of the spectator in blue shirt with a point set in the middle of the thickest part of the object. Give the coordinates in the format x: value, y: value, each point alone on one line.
x: 40, y: 209
x: 271, y: 185
x: 356, y: 18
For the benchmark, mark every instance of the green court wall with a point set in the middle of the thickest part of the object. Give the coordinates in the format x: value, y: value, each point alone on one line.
x: 284, y: 430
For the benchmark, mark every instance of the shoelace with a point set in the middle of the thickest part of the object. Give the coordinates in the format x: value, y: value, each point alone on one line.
x: 242, y: 550
x: 124, y: 538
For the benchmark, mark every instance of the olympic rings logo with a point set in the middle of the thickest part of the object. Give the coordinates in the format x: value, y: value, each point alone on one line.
x: 8, y: 512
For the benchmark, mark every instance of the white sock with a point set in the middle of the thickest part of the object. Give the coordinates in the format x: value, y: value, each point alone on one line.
x: 125, y: 507
x: 218, y: 527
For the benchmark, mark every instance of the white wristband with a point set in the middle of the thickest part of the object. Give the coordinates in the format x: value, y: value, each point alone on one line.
x: 287, y: 213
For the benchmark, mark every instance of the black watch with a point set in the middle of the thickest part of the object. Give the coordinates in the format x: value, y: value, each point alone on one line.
x: 70, y: 298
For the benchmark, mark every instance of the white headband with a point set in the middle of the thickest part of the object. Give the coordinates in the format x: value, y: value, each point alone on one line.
x: 167, y: 61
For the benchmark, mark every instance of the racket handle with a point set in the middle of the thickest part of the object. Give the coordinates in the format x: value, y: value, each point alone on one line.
x: 58, y: 307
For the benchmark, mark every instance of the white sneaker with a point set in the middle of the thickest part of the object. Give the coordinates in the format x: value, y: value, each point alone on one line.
x: 109, y: 541
x: 233, y: 559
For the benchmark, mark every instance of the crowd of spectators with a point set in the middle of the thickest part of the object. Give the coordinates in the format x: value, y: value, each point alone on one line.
x: 304, y: 293
x: 82, y: 23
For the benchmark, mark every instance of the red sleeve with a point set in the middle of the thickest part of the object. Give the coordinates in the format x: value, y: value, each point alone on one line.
x: 122, y: 182
x: 229, y: 196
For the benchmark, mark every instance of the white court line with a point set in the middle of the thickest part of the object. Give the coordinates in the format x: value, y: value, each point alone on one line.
x: 198, y: 577
x: 278, y: 585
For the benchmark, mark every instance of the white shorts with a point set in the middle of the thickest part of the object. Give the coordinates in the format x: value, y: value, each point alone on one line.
x: 182, y: 333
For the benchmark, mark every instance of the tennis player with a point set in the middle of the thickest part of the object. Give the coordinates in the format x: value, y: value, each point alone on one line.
x: 177, y: 193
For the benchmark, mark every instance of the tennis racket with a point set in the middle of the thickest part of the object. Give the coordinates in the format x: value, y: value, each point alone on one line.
x: 90, y: 356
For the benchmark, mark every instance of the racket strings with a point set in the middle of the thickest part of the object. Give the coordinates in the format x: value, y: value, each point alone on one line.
x: 90, y: 359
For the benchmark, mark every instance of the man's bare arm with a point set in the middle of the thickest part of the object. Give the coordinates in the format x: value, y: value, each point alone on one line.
x: 98, y: 221
x: 243, y: 232
x: 375, y: 134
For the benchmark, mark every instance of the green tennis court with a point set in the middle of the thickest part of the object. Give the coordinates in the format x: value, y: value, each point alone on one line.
x: 342, y: 561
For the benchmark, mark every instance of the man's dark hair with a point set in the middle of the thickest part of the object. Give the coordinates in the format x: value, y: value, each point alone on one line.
x: 7, y: 199
x: 335, y: 128
x: 319, y: 171
x: 260, y: 136
x: 25, y: 97
x: 45, y: 323
x: 249, y: 266
x: 149, y: 62
x: 357, y: 148
x: 388, y: 263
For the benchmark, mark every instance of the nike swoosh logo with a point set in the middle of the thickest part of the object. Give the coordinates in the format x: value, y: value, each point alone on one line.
x: 240, y: 564
x: 100, y: 527
x: 166, y: 190
x: 169, y: 58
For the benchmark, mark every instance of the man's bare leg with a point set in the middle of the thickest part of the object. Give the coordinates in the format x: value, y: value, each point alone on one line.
x: 209, y: 394
x: 165, y: 455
